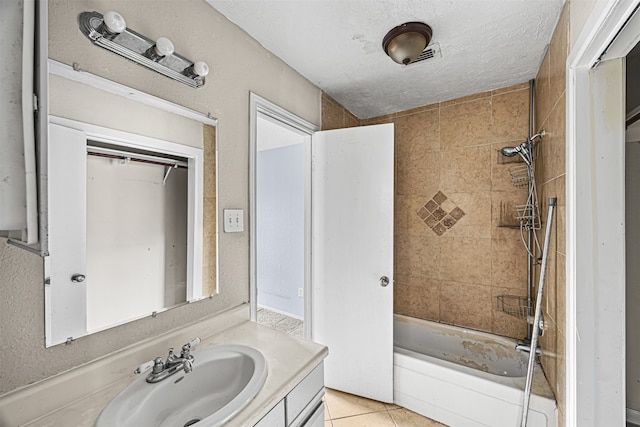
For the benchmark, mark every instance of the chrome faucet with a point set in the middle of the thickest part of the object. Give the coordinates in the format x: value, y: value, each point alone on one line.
x: 527, y: 348
x: 161, y: 370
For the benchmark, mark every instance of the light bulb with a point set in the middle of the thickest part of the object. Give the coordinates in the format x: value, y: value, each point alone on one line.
x: 163, y: 47
x: 114, y: 22
x: 197, y: 69
x: 200, y: 68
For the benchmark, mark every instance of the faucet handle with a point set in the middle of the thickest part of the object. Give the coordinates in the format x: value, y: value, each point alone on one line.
x: 144, y: 367
x: 188, y: 346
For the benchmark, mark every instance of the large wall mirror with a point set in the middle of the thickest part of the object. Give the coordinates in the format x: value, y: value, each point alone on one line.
x: 132, y: 206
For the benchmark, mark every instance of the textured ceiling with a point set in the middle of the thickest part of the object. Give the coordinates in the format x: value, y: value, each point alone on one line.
x: 336, y: 44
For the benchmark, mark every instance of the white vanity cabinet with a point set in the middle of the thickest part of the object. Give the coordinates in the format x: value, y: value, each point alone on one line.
x: 302, y: 407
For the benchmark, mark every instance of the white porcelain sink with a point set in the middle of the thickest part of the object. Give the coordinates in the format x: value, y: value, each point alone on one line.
x: 224, y: 380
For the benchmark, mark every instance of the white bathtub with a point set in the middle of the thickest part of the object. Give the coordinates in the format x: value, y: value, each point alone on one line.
x: 465, y: 378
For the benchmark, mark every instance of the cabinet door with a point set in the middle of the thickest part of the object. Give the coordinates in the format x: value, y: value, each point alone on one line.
x: 317, y: 419
x: 275, y: 417
x: 303, y: 395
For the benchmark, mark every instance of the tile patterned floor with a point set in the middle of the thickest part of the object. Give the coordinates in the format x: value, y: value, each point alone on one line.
x: 280, y: 322
x: 347, y: 410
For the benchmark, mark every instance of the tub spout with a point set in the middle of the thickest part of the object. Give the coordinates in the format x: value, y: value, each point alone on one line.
x: 527, y: 348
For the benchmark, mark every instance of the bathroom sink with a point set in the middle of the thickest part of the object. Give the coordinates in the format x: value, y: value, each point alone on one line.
x: 225, y: 379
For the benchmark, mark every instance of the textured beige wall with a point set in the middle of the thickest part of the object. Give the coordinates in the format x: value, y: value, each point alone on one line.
x: 238, y: 65
x: 452, y: 269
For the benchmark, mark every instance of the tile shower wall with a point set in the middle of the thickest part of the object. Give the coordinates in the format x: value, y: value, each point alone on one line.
x: 550, y: 95
x: 335, y: 116
x: 455, y: 251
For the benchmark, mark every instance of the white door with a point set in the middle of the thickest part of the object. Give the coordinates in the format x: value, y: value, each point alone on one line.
x: 352, y: 198
x: 67, y: 260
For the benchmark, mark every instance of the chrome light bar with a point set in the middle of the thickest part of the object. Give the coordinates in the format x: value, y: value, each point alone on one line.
x: 116, y: 37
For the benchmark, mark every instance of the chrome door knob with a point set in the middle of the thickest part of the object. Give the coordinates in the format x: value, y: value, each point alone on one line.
x: 78, y: 278
x: 384, y: 281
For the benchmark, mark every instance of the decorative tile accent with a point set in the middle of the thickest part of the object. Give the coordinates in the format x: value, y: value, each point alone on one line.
x: 440, y: 213
x: 439, y: 197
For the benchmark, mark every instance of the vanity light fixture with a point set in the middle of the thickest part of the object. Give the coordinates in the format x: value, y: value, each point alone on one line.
x: 110, y: 32
x: 163, y: 47
x: 406, y: 42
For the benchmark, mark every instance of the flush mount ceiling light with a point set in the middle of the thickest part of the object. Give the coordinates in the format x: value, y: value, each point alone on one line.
x: 406, y: 42
x: 110, y: 31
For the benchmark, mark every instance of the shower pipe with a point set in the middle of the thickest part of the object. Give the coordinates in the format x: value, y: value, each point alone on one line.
x: 526, y: 152
x: 530, y: 258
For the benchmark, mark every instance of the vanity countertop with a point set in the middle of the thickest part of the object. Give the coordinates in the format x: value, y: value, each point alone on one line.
x: 289, y: 361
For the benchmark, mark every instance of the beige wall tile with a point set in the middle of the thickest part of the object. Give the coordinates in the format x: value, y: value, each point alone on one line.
x: 561, y: 227
x: 542, y: 88
x: 501, y: 176
x: 417, y: 134
x: 415, y: 225
x: 209, y: 280
x: 555, y: 142
x: 418, y: 256
x: 417, y: 297
x: 561, y: 371
x: 510, y: 116
x: 209, y: 142
x: 465, y: 170
x: 558, y: 52
x: 508, y: 326
x: 508, y: 263
x: 466, y: 260
x: 561, y: 289
x: 333, y: 114
x: 417, y: 110
x: 464, y: 99
x: 513, y: 88
x: 466, y: 124
x: 548, y: 342
x: 504, y: 212
x: 209, y: 180
x: 466, y: 305
x: 418, y: 175
x: 476, y: 223
x: 506, y: 317
x: 209, y: 228
x: 350, y: 120
x: 550, y: 284
x: 378, y: 120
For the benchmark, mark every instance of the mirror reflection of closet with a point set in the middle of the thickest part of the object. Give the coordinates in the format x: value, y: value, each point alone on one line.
x: 136, y: 234
x: 128, y: 187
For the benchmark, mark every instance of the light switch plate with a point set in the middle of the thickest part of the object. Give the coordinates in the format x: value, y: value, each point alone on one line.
x: 233, y: 220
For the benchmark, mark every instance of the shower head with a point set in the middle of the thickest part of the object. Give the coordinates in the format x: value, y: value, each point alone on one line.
x: 521, y: 149
x: 510, y: 151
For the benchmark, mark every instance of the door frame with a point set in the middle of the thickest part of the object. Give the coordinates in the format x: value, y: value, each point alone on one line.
x: 261, y: 107
x: 595, y: 276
